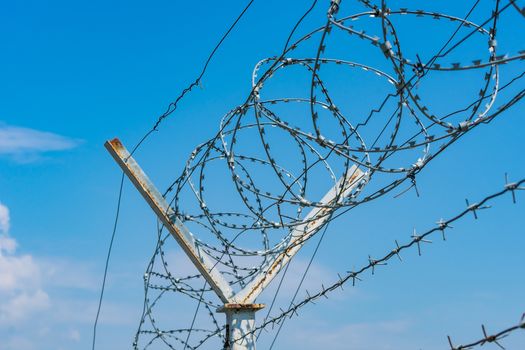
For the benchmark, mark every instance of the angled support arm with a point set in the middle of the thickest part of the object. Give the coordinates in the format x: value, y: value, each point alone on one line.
x: 314, y: 221
x: 165, y: 213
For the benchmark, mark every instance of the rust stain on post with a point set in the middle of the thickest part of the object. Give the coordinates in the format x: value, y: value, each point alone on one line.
x: 165, y: 214
x: 237, y: 307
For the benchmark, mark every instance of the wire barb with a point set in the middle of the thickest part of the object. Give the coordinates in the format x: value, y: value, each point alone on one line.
x: 252, y: 188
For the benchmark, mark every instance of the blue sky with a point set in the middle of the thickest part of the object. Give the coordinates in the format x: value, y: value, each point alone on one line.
x: 75, y: 74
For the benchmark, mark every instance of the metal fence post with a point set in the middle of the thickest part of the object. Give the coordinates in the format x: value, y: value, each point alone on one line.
x: 240, y: 325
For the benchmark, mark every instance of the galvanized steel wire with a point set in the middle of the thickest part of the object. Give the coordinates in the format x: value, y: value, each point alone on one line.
x: 275, y: 153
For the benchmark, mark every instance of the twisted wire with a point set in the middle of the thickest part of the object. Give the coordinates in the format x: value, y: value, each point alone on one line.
x: 258, y: 183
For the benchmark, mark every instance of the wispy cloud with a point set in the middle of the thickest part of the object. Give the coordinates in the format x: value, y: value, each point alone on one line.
x: 380, y: 335
x: 25, y: 143
x: 21, y: 294
x: 4, y: 219
x: 40, y: 297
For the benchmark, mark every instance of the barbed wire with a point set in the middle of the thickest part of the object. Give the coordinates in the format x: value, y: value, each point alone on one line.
x: 490, y: 338
x: 276, y: 154
x: 417, y: 239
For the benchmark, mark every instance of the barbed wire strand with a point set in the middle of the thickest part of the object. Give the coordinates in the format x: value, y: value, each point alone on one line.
x: 379, y: 148
x: 415, y: 242
x: 487, y: 339
x: 173, y: 105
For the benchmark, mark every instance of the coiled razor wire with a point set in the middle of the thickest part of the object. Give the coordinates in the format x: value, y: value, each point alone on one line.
x: 244, y: 191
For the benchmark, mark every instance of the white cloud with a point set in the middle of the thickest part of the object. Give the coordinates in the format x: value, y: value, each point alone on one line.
x: 22, y: 305
x: 79, y: 311
x: 4, y: 218
x: 25, y: 142
x: 359, y: 336
x: 18, y: 273
x: 74, y: 335
x: 7, y: 245
x: 20, y: 278
x: 317, y: 275
x: 43, y: 296
x: 18, y: 343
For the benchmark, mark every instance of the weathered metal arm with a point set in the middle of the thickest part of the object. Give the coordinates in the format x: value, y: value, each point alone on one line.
x: 312, y: 223
x: 165, y: 213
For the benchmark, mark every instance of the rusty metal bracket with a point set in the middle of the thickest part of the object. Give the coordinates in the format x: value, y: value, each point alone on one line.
x: 314, y: 221
x: 165, y: 213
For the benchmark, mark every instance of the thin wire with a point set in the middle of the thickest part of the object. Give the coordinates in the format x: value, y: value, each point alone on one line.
x: 416, y: 240
x: 115, y: 225
x: 287, y: 265
x: 298, y: 23
x: 195, y: 316
x: 275, y: 295
x: 302, y: 280
x: 260, y: 202
x: 173, y: 105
